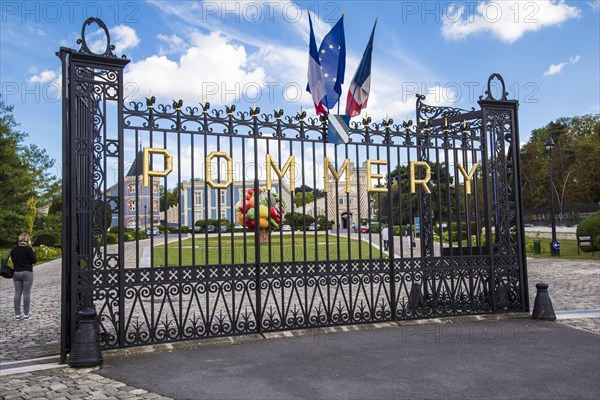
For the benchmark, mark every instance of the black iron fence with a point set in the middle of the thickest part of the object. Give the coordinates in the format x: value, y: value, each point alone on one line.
x: 406, y: 220
x: 567, y: 215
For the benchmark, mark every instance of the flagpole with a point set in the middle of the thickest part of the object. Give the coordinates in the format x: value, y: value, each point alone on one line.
x: 339, y: 102
x: 344, y: 69
x: 356, y: 86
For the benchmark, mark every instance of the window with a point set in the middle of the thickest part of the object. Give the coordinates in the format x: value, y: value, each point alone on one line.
x: 131, y: 188
x: 223, y: 214
x: 223, y: 195
x: 156, y: 205
x: 131, y: 205
x: 341, y: 201
x: 198, y: 198
x: 197, y: 216
x: 155, y: 188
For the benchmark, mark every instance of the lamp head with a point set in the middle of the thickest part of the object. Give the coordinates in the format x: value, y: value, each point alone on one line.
x: 549, y: 144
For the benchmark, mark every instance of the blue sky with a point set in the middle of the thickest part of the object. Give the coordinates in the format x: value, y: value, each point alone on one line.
x: 257, y: 52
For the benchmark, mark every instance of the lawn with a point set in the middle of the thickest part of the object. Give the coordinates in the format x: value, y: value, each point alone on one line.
x: 568, y: 250
x: 279, y: 249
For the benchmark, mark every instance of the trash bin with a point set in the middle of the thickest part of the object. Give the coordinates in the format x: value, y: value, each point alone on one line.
x: 537, y: 247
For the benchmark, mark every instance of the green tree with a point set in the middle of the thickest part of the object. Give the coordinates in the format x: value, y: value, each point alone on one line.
x: 15, y: 179
x: 30, y: 216
x: 23, y: 174
x: 168, y: 198
x: 404, y: 203
x: 298, y: 220
x: 301, y: 198
x: 306, y: 195
x: 576, y: 151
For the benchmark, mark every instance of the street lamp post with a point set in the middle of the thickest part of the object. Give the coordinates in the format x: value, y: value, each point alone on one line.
x: 549, y: 144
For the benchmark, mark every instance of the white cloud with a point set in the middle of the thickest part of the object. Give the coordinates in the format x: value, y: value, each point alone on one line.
x: 212, y: 68
x: 506, y: 20
x: 554, y: 69
x: 173, y: 44
x: 125, y: 38
x: 220, y: 61
x: 234, y: 19
x: 44, y: 77
x: 595, y: 5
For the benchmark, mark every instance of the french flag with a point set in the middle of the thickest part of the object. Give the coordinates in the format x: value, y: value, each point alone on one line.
x: 316, y: 84
x: 358, y: 93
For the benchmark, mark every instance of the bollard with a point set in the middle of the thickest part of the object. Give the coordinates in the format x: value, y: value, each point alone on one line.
x: 415, y: 299
x: 542, y: 306
x: 85, y: 350
x: 503, y: 295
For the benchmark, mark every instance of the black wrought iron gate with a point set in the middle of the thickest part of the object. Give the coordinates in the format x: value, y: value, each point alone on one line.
x: 446, y: 187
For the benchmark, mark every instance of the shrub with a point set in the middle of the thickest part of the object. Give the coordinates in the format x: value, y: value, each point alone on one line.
x: 47, y: 239
x: 129, y: 236
x: 112, y: 238
x: 44, y: 253
x: 529, y: 247
x: 591, y: 227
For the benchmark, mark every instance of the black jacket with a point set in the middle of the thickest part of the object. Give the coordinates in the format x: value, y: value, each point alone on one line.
x: 23, y: 258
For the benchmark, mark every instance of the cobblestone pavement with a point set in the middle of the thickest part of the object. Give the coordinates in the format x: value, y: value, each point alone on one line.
x: 39, y: 336
x: 574, y: 285
x: 69, y: 383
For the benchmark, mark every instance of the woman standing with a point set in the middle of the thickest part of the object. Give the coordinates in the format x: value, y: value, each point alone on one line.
x: 23, y: 259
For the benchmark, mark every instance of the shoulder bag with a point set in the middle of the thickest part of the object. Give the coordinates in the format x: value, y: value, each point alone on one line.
x: 6, y: 271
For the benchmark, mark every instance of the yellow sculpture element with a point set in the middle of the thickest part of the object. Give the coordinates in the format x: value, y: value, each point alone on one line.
x: 371, y: 176
x: 209, y: 181
x: 290, y: 164
x: 146, y: 172
x: 414, y: 181
x: 327, y: 166
x: 468, y: 177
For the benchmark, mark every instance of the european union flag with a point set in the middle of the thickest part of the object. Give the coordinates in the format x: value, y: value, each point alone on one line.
x: 332, y: 57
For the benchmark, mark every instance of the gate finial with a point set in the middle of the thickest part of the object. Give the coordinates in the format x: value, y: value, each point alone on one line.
x: 108, y: 51
x: 488, y: 92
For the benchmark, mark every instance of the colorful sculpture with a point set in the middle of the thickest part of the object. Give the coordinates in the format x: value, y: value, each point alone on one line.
x: 271, y: 211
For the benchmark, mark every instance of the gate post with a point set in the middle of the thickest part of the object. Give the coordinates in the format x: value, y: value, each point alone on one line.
x: 89, y: 81
x: 501, y: 132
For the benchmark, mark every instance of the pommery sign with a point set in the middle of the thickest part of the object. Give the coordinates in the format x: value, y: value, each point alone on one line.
x: 272, y: 166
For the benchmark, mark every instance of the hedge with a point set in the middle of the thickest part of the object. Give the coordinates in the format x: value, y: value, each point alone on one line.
x: 590, y: 227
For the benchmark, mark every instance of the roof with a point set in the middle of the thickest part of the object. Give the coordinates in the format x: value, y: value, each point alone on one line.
x: 136, y: 166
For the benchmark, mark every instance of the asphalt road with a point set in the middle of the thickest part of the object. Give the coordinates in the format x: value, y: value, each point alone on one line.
x: 517, y: 359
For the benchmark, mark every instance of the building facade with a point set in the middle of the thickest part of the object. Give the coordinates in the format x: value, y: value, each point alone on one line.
x: 141, y: 203
x: 199, y: 201
x: 344, y: 209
